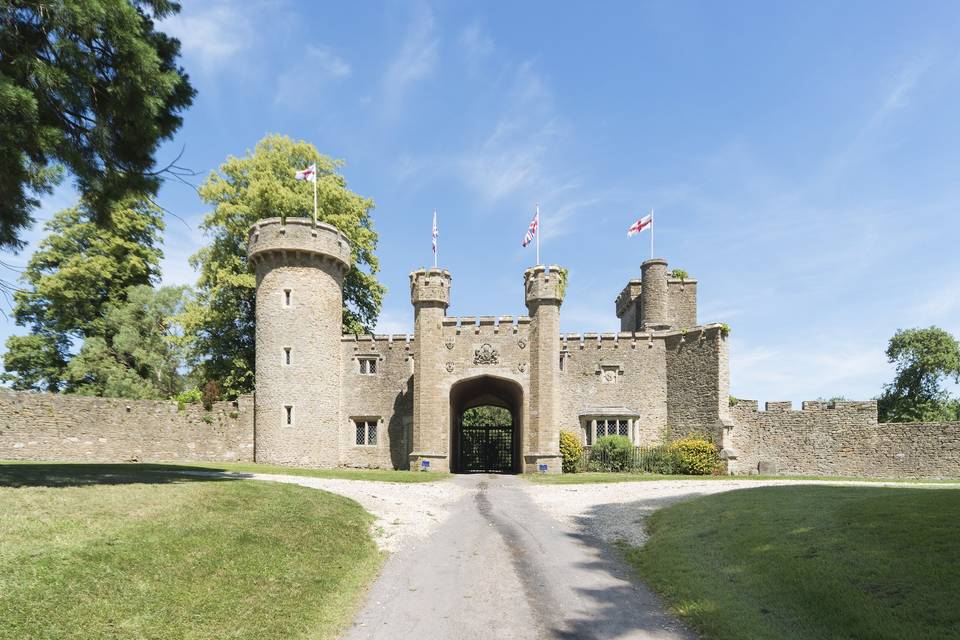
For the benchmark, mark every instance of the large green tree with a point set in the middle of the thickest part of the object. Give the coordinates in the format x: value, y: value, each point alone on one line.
x: 141, y: 352
x: 86, y: 84
x: 924, y: 360
x: 261, y: 185
x: 83, y: 264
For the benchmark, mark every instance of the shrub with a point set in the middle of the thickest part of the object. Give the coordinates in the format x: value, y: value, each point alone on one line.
x: 695, y: 456
x: 211, y: 393
x: 571, y: 450
x: 660, y: 459
x: 187, y: 397
x: 207, y: 418
x: 612, y: 453
x: 679, y: 274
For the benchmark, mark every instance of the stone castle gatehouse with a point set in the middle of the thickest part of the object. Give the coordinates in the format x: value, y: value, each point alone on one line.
x: 326, y: 399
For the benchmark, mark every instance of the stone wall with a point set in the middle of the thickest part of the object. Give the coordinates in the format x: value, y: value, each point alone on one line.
x: 841, y: 438
x: 44, y: 426
x: 697, y: 382
x: 386, y: 395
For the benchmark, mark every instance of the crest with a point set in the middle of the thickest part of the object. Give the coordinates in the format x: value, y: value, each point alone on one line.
x: 486, y: 355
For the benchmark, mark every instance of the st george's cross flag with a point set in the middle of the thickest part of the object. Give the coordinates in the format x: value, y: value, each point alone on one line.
x: 310, y: 173
x: 640, y: 225
x: 532, y: 229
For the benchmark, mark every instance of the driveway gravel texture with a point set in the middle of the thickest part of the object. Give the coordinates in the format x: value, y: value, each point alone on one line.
x: 495, y: 556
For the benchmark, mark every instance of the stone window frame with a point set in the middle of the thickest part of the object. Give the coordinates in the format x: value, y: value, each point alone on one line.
x: 365, y: 360
x: 367, y: 421
x: 589, y: 426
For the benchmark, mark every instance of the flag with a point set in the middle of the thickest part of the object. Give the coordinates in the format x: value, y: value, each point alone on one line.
x: 532, y: 229
x: 436, y: 232
x: 310, y: 173
x: 640, y: 224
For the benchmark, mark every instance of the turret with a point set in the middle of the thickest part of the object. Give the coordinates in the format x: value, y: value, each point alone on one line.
x: 300, y: 267
x: 430, y: 296
x: 654, y: 295
x: 544, y: 289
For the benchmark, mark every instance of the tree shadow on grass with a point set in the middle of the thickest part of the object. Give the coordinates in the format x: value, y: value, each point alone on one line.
x: 17, y: 475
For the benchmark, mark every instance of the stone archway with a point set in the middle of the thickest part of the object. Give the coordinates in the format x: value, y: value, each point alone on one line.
x: 494, y: 449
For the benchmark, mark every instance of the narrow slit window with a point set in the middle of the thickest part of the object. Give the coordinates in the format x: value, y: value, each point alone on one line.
x: 286, y: 297
x: 286, y: 355
x: 288, y: 409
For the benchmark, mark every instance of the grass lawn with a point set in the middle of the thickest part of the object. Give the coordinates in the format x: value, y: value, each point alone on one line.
x: 592, y: 477
x: 108, y: 551
x: 810, y: 562
x: 10, y: 471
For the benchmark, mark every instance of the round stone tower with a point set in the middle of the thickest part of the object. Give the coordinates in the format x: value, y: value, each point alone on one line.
x: 654, y: 295
x: 300, y: 268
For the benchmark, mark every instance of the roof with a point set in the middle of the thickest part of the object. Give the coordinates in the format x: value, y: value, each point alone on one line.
x: 609, y: 411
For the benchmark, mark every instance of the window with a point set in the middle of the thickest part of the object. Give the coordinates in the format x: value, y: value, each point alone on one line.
x: 286, y: 355
x: 607, y: 427
x: 288, y: 409
x: 368, y: 366
x: 366, y: 432
x: 286, y: 297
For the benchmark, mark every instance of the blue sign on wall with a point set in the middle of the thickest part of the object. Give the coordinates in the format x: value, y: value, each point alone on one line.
x: 425, y: 465
x: 543, y: 468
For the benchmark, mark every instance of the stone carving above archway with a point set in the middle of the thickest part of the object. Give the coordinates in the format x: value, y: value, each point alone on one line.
x: 486, y: 354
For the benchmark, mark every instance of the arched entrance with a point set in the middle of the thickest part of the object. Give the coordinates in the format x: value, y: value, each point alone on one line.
x: 491, y: 448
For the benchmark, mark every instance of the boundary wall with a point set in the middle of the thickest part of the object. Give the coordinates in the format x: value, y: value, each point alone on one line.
x: 47, y: 426
x: 837, y: 438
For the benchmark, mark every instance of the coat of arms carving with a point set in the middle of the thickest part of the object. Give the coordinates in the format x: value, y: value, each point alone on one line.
x: 486, y: 355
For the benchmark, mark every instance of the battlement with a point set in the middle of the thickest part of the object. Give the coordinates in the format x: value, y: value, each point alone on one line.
x: 674, y: 299
x: 807, y: 406
x: 632, y: 338
x: 486, y: 325
x: 545, y: 283
x: 380, y: 340
x: 292, y: 238
x: 430, y: 287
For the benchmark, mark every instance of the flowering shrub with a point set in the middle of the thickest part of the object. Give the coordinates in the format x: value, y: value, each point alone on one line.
x: 571, y: 450
x: 694, y: 455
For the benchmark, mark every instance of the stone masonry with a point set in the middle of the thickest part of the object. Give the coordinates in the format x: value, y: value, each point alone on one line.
x: 326, y: 399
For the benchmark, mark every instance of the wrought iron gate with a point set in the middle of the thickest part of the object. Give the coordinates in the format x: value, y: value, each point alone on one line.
x: 486, y: 449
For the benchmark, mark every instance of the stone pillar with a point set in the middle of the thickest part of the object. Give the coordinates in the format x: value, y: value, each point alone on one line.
x: 654, y: 295
x: 430, y: 296
x: 300, y: 268
x: 541, y: 439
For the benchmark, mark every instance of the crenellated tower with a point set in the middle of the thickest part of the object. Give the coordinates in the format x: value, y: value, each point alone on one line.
x: 300, y: 266
x: 544, y: 290
x: 430, y: 296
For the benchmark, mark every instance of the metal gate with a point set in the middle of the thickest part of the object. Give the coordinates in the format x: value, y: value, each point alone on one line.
x: 486, y: 449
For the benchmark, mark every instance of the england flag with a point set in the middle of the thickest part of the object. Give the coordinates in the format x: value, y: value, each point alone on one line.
x: 310, y: 173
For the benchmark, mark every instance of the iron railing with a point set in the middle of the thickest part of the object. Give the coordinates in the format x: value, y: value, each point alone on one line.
x: 654, y: 459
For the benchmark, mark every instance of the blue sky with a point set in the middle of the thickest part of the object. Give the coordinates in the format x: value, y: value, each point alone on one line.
x: 803, y: 158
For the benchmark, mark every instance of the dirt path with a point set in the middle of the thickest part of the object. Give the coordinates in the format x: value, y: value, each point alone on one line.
x: 501, y: 567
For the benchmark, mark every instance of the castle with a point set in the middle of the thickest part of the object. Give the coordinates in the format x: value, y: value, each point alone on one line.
x: 326, y: 399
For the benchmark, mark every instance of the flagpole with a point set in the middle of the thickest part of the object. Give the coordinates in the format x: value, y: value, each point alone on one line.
x: 651, y: 234
x: 538, y: 233
x: 436, y: 242
x: 314, y: 195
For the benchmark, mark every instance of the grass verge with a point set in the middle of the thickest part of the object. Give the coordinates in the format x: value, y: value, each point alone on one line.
x: 594, y: 477
x: 144, y: 555
x: 42, y: 472
x: 810, y: 562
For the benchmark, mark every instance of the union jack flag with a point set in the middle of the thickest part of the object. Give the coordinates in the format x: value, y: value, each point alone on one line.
x: 532, y: 230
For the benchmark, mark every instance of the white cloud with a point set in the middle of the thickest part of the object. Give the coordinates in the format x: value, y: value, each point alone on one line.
x: 304, y: 79
x: 414, y: 62
x: 476, y: 44
x: 213, y: 35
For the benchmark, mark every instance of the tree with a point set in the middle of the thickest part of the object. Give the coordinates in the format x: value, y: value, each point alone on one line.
x: 924, y: 360
x: 141, y: 353
x: 78, y: 268
x: 487, y: 416
x: 89, y: 85
x: 244, y: 190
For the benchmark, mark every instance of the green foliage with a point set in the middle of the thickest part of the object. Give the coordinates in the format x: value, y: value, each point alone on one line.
x: 724, y: 329
x: 680, y: 274
x: 694, y: 455
x: 89, y: 85
x: 924, y: 360
x: 572, y: 452
x: 733, y: 401
x: 612, y: 453
x: 563, y: 277
x: 207, y: 418
x: 244, y: 190
x: 190, y: 396
x: 141, y: 351
x: 487, y: 416
x: 81, y: 266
